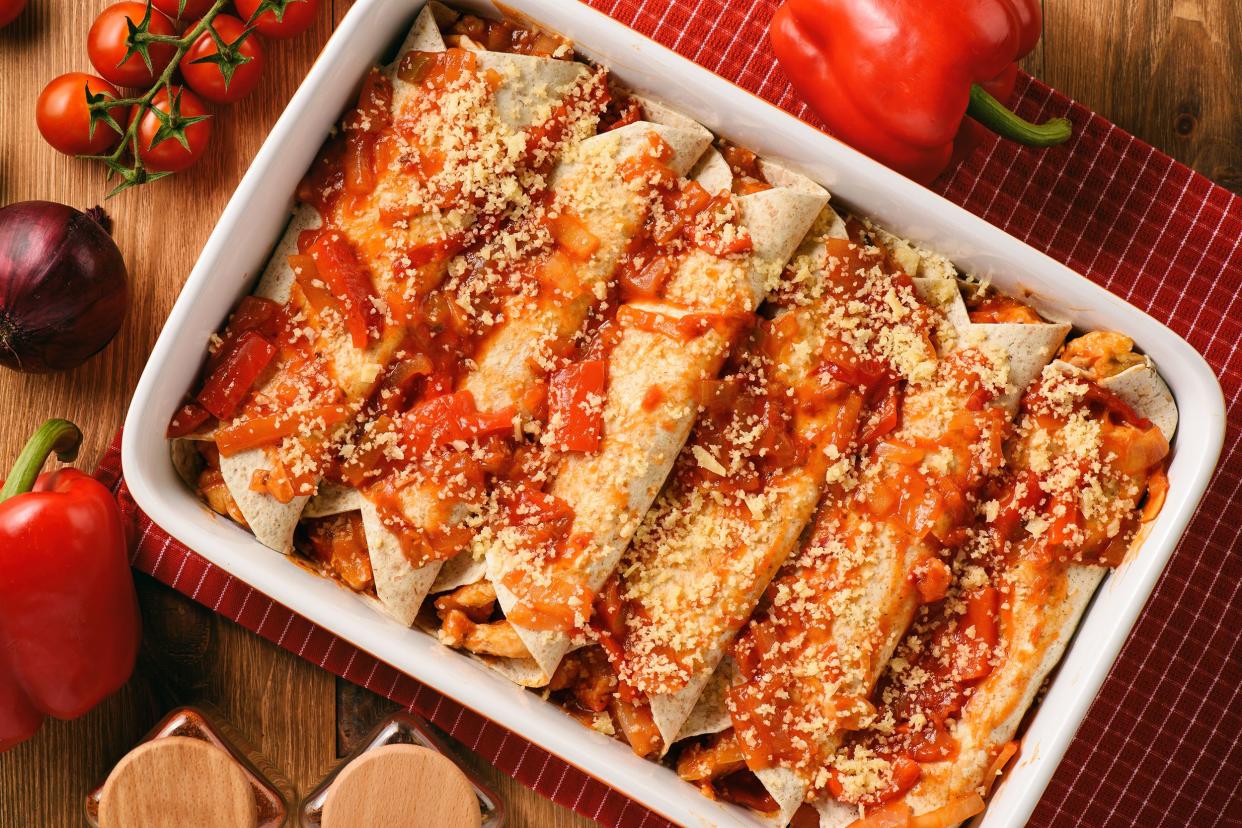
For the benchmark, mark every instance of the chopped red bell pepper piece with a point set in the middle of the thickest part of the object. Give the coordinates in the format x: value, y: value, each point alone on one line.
x: 644, y: 276
x: 69, y: 623
x: 886, y: 418
x: 233, y: 378
x: 272, y: 428
x: 349, y: 281
x: 374, y: 111
x: 451, y: 418
x: 608, y: 621
x: 253, y: 313
x: 896, y: 78
x: 362, y: 128
x: 975, y: 651
x: 439, y: 250
x: 306, y: 274
x: 576, y: 397
x: 188, y: 419
x: 934, y: 743
x: 256, y: 313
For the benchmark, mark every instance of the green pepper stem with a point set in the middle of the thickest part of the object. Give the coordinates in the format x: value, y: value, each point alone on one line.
x: 1000, y: 119
x: 60, y: 436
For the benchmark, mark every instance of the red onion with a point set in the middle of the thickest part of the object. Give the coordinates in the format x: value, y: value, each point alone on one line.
x: 63, y: 285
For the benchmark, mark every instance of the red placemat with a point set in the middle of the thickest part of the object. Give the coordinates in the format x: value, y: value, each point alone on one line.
x: 1160, y: 746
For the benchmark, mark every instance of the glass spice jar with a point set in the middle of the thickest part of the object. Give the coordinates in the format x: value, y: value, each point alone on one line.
x: 400, y: 729
x: 272, y: 792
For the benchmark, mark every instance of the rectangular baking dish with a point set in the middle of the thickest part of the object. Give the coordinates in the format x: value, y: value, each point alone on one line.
x: 255, y: 216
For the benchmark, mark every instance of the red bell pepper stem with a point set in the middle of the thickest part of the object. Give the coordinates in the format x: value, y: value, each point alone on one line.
x: 1006, y: 123
x: 60, y: 436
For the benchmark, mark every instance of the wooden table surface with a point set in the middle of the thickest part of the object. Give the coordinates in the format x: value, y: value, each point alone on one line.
x: 1167, y: 70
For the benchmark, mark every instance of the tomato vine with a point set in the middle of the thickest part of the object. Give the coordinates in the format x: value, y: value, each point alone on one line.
x: 125, y: 161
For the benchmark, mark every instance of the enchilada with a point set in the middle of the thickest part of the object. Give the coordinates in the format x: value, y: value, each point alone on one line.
x: 1084, y: 476
x: 847, y: 330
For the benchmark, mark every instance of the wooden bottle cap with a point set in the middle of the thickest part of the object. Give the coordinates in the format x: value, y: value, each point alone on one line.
x: 177, y: 781
x: 401, y: 786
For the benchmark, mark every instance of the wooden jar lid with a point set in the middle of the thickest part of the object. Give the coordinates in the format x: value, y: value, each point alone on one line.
x: 401, y: 786
x: 177, y: 781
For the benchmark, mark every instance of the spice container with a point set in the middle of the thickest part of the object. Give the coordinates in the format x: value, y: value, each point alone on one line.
x: 193, y: 769
x: 402, y: 755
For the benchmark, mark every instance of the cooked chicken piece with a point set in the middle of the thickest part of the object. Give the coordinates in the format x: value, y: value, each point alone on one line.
x: 496, y: 639
x: 711, y: 759
x: 212, y: 489
x: 476, y: 601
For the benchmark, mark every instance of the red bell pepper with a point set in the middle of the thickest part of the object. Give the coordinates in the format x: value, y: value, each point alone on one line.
x: 576, y: 404
x: 349, y: 281
x: 451, y: 418
x: 69, y: 625
x: 253, y: 313
x: 978, y: 635
x: 896, y: 79
x: 237, y: 372
x: 189, y: 418
x: 272, y: 428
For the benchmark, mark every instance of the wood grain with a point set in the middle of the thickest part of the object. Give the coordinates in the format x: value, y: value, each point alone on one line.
x: 401, y: 785
x: 1167, y: 70
x: 177, y: 781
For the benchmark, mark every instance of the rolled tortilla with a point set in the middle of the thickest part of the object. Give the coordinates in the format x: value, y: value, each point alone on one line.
x: 704, y: 554
x: 1044, y: 618
x: 516, y: 352
x: 1044, y: 596
x: 610, y: 490
x: 273, y: 522
x: 393, y: 581
x: 710, y: 713
x: 1143, y: 389
x: 862, y: 567
x: 1028, y: 347
x: 590, y: 185
x: 529, y: 90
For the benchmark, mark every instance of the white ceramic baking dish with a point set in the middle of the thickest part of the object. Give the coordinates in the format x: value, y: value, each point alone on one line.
x: 256, y: 214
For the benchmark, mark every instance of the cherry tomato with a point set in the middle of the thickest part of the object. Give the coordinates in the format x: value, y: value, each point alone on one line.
x: 297, y: 17
x: 108, y: 39
x: 65, y: 121
x: 194, y: 9
x: 170, y: 155
x: 9, y: 10
x: 207, y: 79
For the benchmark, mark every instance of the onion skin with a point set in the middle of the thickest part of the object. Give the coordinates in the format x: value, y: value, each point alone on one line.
x: 10, y: 10
x: 64, y: 289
